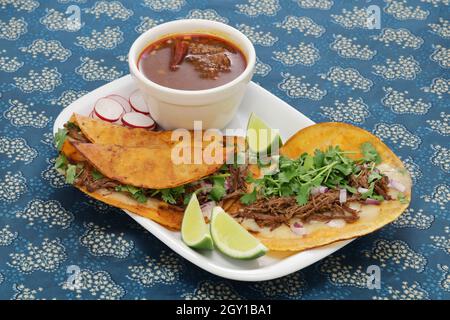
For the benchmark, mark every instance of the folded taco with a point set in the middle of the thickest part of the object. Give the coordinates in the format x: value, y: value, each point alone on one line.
x: 132, y: 169
x: 334, y: 182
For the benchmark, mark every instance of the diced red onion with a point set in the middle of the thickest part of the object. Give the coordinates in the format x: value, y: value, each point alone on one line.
x: 362, y: 190
x: 336, y: 223
x: 342, y: 196
x: 396, y: 185
x: 317, y: 190
x: 227, y: 184
x: 207, y: 208
x: 372, y: 201
x: 298, y: 229
x: 206, y: 187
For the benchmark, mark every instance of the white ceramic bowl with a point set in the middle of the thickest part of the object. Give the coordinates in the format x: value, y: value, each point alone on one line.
x: 172, y: 108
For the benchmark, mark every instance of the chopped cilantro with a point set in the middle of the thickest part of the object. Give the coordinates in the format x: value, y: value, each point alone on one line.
x: 218, y: 189
x: 249, y: 198
x: 171, y: 195
x: 97, y: 175
x: 71, y: 173
x: 303, y: 194
x: 369, y: 192
x: 60, y: 137
x: 331, y: 168
x: 402, y: 198
x: 72, y: 125
x: 250, y: 178
x: 187, y: 199
x: 369, y: 152
x: 167, y: 196
x: 319, y: 157
x: 61, y: 162
x: 140, y: 197
x: 350, y: 189
x: 137, y: 193
x: 374, y: 176
x: 308, y: 162
x: 377, y: 197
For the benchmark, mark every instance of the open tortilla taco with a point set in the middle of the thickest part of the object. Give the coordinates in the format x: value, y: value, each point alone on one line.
x: 335, y: 182
x: 132, y: 169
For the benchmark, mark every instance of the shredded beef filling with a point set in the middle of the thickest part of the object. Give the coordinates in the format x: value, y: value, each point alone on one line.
x: 75, y: 133
x: 273, y: 212
x: 362, y: 180
x: 236, y: 185
x: 86, y: 179
x: 236, y: 180
x: 381, y: 187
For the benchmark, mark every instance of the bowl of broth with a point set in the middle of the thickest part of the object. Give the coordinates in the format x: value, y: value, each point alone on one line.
x: 192, y: 70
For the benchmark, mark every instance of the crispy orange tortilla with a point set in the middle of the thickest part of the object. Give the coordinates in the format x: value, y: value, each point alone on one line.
x: 70, y: 152
x: 158, y: 172
x: 153, y: 209
x: 101, y: 132
x: 151, y: 168
x: 133, y: 164
x: 348, y: 137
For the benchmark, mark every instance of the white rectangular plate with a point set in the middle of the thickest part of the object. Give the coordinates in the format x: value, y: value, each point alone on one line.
x: 277, y: 114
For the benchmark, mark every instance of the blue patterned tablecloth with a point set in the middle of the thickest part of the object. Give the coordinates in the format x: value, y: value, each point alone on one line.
x: 318, y: 55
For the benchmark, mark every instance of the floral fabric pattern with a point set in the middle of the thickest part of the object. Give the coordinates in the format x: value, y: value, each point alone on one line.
x: 326, y: 58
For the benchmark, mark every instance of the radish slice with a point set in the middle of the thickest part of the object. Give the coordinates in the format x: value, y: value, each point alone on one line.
x: 93, y: 115
x: 138, y: 103
x: 342, y: 196
x: 396, y: 185
x: 138, y: 120
x: 372, y: 201
x: 207, y: 209
x: 362, y: 190
x: 298, y: 229
x: 108, y: 109
x: 123, y: 101
x: 228, y: 184
x: 207, y: 187
x: 317, y: 190
x: 336, y: 223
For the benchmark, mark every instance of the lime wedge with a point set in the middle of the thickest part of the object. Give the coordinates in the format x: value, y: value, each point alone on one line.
x: 232, y: 239
x: 262, y: 139
x: 194, y: 230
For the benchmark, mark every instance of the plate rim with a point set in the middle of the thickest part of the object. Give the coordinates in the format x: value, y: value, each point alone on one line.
x: 284, y: 267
